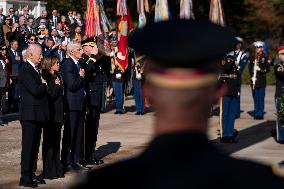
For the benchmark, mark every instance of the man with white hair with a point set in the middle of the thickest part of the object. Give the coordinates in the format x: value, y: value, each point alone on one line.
x: 33, y: 113
x: 73, y: 77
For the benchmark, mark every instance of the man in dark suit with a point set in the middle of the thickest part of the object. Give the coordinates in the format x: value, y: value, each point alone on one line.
x: 73, y: 78
x: 181, y: 83
x: 55, y: 19
x: 33, y: 113
x: 95, y: 78
x: 12, y: 15
x: 15, y: 58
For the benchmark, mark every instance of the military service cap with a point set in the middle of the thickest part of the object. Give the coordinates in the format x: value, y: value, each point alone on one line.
x: 88, y: 42
x: 182, y: 49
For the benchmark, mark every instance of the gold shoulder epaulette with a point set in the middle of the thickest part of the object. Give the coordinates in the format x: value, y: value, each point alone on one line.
x: 91, y: 59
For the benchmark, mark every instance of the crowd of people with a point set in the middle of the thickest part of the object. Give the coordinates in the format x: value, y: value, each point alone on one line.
x: 58, y: 78
x: 53, y: 33
x: 55, y: 76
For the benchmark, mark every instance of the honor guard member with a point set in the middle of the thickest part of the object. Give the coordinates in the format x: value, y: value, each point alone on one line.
x: 118, y: 87
x: 258, y: 68
x: 279, y: 94
x: 228, y: 102
x: 241, y: 60
x: 137, y: 65
x: 181, y: 83
x: 94, y: 78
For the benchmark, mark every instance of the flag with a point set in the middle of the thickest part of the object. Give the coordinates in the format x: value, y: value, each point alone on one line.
x: 186, y: 9
x: 142, y: 6
x: 124, y: 26
x: 216, y: 14
x: 92, y: 19
x: 161, y: 10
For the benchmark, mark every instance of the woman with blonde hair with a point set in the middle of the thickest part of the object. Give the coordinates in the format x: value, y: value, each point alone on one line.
x: 52, y: 167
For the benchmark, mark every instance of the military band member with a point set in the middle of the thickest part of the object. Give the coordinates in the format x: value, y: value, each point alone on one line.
x: 228, y: 102
x: 279, y: 74
x: 118, y: 87
x: 138, y: 76
x: 95, y: 77
x: 258, y: 68
x: 241, y: 60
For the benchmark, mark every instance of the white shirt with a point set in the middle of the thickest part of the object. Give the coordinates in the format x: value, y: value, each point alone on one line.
x: 33, y: 65
x: 76, y: 61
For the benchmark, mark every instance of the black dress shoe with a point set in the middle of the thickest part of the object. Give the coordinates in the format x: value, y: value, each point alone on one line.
x: 67, y: 169
x: 30, y: 183
x: 79, y: 167
x: 228, y: 140
x: 39, y: 181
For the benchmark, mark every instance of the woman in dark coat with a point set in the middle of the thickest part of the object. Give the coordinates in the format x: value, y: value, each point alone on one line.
x: 52, y: 167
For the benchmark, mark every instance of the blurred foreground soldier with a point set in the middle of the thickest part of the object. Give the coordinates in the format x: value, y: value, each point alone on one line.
x: 258, y: 68
x: 181, y: 83
x: 95, y: 80
x: 228, y: 102
x: 33, y: 113
x: 279, y: 94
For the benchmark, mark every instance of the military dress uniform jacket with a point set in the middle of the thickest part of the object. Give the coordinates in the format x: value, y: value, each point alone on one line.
x: 261, y: 75
x: 74, y: 86
x: 228, y: 76
x: 97, y: 69
x: 33, y: 100
x: 182, y: 161
x: 279, y: 74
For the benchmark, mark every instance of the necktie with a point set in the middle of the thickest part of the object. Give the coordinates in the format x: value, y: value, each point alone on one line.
x: 78, y: 66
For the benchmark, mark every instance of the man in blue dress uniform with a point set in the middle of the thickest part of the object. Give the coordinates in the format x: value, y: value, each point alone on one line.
x: 228, y: 103
x: 258, y: 68
x: 241, y: 60
x: 279, y: 92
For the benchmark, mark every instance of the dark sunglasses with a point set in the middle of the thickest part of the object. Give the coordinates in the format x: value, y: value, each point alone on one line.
x: 11, y: 11
x: 32, y: 39
x: 3, y: 49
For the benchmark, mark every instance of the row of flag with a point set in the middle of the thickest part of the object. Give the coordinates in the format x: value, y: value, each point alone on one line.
x: 98, y: 25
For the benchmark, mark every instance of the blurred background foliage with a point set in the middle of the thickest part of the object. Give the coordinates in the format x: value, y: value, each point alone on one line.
x: 250, y: 19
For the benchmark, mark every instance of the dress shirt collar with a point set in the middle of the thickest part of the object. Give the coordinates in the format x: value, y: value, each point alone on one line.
x: 76, y: 61
x: 32, y: 64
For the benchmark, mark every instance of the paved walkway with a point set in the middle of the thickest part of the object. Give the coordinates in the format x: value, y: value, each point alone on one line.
x: 123, y: 136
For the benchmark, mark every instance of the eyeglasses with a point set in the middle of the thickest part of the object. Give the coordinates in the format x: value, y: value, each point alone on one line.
x: 26, y: 10
x: 32, y: 39
x: 11, y: 11
x: 42, y: 22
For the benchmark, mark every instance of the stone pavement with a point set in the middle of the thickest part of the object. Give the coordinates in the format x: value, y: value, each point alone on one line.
x: 123, y: 136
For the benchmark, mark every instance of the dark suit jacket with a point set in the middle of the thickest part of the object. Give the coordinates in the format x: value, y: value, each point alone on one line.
x: 56, y: 53
x: 49, y: 51
x: 74, y: 86
x: 33, y: 95
x: 55, y: 97
x: 182, y: 161
x: 16, y: 64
